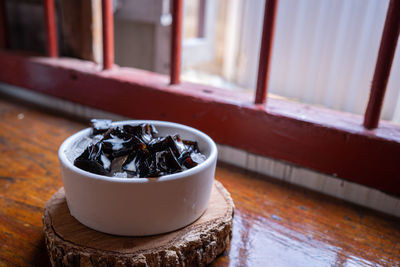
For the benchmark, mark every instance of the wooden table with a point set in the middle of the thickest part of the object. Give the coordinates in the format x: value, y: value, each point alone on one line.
x: 275, y: 224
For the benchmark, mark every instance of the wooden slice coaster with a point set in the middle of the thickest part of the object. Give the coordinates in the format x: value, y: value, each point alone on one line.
x: 70, y: 243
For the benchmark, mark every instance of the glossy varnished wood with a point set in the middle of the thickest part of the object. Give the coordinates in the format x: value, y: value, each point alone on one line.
x: 274, y: 225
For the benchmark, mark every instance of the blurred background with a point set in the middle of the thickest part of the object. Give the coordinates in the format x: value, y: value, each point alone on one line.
x: 324, y: 51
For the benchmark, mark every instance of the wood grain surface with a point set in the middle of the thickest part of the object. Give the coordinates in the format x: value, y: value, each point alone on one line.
x: 70, y: 243
x: 275, y: 224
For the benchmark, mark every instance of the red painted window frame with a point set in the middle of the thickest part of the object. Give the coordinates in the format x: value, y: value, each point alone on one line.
x: 328, y: 141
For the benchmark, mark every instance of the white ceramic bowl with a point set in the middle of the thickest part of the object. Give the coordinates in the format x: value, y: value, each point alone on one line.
x: 140, y: 206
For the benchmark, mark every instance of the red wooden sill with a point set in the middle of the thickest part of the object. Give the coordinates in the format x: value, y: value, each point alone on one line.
x: 325, y: 140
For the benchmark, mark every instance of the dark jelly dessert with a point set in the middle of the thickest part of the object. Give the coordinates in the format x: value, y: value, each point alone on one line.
x: 136, y: 151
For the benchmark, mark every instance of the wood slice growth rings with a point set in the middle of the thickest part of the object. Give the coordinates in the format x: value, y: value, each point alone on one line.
x: 70, y: 243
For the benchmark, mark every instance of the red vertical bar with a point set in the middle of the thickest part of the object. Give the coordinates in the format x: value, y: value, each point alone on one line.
x: 202, y: 18
x: 51, y: 30
x: 108, y: 34
x: 386, y: 54
x: 3, y: 25
x: 176, y: 41
x: 266, y: 51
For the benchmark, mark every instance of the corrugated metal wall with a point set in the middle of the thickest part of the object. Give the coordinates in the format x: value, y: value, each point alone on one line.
x: 324, y: 52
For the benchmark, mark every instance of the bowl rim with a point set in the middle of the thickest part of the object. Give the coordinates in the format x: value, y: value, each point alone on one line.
x: 192, y: 171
